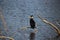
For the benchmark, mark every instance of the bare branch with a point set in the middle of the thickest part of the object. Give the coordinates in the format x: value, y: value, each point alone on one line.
x: 47, y: 22
x: 6, y: 37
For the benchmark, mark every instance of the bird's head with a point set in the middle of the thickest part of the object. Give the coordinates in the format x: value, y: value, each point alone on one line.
x: 31, y: 17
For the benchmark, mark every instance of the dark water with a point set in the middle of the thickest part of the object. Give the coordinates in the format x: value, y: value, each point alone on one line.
x: 17, y: 12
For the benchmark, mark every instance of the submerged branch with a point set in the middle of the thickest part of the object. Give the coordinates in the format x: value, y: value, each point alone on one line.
x: 3, y: 19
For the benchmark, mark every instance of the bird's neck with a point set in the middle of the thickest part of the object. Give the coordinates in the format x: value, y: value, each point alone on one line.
x: 31, y: 18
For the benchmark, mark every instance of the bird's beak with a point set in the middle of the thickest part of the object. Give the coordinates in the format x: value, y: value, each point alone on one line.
x: 31, y: 17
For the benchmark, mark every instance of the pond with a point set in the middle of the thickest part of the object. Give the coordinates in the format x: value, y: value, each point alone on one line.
x: 16, y: 15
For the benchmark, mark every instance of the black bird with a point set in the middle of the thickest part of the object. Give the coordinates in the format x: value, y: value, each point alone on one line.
x: 32, y: 22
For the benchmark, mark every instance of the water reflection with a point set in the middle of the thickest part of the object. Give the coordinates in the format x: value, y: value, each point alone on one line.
x: 32, y: 36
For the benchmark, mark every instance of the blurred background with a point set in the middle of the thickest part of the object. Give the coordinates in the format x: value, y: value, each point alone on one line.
x: 15, y: 15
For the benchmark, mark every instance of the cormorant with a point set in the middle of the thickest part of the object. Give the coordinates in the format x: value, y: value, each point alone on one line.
x: 32, y: 22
